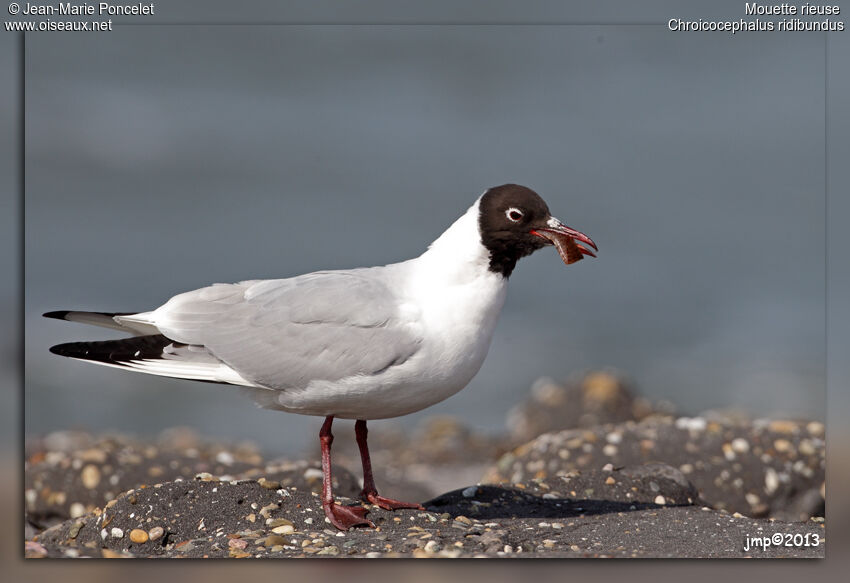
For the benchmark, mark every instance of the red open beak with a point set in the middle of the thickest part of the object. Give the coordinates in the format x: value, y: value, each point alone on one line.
x: 565, y: 240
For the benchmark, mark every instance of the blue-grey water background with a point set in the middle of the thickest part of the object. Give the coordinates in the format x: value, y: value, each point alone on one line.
x: 161, y: 159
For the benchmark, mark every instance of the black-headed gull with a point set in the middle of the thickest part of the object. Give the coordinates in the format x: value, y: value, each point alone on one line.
x: 360, y: 344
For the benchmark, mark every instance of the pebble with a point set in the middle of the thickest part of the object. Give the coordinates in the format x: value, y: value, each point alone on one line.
x: 470, y: 492
x: 185, y: 546
x: 783, y: 426
x: 782, y: 445
x: 283, y: 529
x: 90, y: 476
x: 116, y: 532
x: 691, y: 423
x: 432, y: 546
x: 34, y: 549
x: 463, y: 519
x: 155, y: 533
x: 610, y: 480
x: 609, y: 467
x: 274, y: 539
x: 225, y: 458
x: 93, y: 454
x: 313, y: 473
x: 807, y: 448
x: 137, y: 535
x: 75, y: 529
x: 76, y: 510
x: 610, y: 450
x: 740, y: 445
x: 771, y: 481
x: 660, y: 499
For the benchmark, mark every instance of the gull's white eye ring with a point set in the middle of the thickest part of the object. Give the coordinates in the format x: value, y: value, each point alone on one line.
x: 514, y: 214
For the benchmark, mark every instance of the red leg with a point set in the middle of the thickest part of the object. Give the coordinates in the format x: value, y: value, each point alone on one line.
x: 369, y: 492
x: 342, y: 517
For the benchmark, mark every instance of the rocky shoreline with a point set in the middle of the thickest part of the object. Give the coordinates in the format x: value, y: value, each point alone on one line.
x: 612, y: 477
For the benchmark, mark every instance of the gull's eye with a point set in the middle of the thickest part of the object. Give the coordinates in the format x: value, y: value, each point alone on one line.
x: 514, y: 215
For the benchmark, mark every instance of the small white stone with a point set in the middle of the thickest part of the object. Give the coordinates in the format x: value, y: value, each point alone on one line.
x: 691, y: 423
x: 660, y: 499
x: 470, y: 492
x: 224, y: 457
x: 771, y: 481
x: 312, y: 473
x: 116, y: 532
x: 610, y: 450
x: 432, y: 546
x: 740, y: 445
x: 806, y: 447
x: 76, y: 510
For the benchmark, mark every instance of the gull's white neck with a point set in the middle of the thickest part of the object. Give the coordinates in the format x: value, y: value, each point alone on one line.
x: 458, y: 256
x: 457, y: 301
x: 454, y: 288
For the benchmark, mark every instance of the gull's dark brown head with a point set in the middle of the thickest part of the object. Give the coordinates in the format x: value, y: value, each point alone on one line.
x: 514, y: 222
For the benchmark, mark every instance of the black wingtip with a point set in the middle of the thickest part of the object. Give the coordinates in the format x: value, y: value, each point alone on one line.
x: 60, y: 349
x: 58, y: 314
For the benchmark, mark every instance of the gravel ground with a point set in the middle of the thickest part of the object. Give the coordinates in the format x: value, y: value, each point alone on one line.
x: 239, y: 519
x: 761, y: 468
x: 69, y: 474
x: 582, y: 469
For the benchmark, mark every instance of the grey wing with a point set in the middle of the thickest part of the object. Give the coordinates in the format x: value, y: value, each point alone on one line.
x: 285, y: 333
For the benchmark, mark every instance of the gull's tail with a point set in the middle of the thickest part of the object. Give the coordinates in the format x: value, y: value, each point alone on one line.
x: 148, y: 351
x: 114, y: 320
